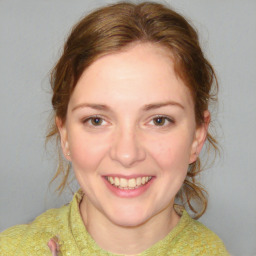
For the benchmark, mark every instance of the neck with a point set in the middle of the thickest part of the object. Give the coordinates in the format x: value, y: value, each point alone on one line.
x: 127, y: 240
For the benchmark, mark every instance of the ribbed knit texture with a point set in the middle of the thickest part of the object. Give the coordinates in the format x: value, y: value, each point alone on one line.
x: 189, y: 237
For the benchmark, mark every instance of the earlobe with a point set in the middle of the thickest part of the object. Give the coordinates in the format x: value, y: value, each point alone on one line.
x: 200, y: 137
x: 63, y: 138
x: 67, y: 149
x: 194, y: 151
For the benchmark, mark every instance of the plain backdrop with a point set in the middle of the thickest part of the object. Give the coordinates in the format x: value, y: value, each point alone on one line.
x: 32, y: 34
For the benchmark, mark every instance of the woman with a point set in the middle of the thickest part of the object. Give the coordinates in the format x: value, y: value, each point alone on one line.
x: 130, y: 96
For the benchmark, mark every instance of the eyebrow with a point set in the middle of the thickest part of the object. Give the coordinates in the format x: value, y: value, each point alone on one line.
x: 94, y: 106
x: 162, y: 104
x: 145, y: 108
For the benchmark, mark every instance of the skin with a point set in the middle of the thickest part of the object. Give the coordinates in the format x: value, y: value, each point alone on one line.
x: 127, y: 94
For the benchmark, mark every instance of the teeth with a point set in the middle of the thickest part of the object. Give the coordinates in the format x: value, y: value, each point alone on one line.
x: 129, y: 183
x: 132, y: 183
x: 138, y: 180
x: 116, y: 181
x: 123, y: 183
x: 111, y: 180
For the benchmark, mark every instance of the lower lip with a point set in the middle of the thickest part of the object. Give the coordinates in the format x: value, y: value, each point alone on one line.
x: 128, y: 193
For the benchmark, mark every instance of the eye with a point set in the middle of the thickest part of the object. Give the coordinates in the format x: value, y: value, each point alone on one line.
x: 161, y: 121
x: 94, y: 121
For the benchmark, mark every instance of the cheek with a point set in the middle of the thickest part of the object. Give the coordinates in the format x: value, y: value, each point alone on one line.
x: 87, y: 151
x: 171, y: 151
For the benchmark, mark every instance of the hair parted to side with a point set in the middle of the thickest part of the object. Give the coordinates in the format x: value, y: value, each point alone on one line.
x: 112, y: 28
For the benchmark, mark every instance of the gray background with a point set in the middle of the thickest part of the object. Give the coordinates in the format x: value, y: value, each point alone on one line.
x: 31, y: 36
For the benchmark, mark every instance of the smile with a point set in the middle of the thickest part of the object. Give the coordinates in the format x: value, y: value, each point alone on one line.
x: 133, y: 183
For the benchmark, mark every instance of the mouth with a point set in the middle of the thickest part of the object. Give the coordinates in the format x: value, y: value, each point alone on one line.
x: 128, y: 184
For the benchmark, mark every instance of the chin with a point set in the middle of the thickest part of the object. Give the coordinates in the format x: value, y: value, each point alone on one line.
x: 129, y: 218
x: 129, y: 222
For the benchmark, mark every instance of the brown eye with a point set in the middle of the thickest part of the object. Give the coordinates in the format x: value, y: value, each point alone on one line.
x: 161, y: 121
x: 96, y: 121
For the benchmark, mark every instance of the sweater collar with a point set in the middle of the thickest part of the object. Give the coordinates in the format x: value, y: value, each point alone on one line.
x: 87, y: 245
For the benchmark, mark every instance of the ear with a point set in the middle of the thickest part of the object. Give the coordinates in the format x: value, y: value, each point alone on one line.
x: 200, y: 137
x: 63, y: 138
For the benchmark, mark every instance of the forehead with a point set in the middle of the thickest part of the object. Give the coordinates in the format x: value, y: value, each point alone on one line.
x: 141, y: 73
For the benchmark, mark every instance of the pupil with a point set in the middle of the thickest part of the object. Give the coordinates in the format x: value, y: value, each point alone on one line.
x: 96, y: 121
x: 159, y: 121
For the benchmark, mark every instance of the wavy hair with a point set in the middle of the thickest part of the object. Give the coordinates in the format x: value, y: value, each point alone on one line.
x: 112, y: 28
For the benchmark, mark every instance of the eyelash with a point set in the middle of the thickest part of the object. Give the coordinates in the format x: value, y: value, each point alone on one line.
x: 166, y: 119
x: 88, y: 120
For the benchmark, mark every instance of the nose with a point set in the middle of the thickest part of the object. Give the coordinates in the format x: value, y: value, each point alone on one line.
x: 125, y: 147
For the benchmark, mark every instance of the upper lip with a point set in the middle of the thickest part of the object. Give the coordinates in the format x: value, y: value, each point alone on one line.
x: 128, y: 176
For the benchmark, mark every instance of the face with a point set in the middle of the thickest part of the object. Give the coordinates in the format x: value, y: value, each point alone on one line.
x: 131, y: 134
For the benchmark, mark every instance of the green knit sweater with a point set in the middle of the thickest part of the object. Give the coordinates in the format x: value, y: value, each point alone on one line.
x: 189, y: 237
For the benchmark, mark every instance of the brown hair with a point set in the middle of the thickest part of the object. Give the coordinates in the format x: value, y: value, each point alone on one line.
x: 110, y: 29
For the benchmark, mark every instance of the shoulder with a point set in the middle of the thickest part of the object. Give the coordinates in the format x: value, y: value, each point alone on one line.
x: 10, y: 239
x: 24, y: 239
x: 200, y: 239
